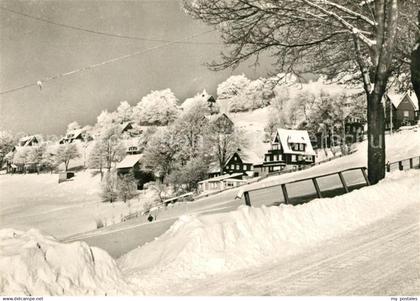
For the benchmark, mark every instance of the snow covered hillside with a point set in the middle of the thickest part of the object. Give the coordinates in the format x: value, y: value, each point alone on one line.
x: 197, y: 247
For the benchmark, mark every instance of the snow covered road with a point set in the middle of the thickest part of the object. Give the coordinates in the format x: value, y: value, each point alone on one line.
x: 380, y: 259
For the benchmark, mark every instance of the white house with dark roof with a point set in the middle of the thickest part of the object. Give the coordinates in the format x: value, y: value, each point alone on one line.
x: 289, y: 149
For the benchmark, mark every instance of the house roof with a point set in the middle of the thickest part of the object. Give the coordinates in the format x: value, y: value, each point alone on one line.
x: 222, y: 177
x: 129, y: 161
x: 294, y: 136
x: 74, y: 133
x: 125, y: 125
x: 397, y: 98
x: 27, y: 139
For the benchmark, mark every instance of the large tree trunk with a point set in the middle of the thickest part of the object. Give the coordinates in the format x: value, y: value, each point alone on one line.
x: 415, y: 65
x: 376, y: 139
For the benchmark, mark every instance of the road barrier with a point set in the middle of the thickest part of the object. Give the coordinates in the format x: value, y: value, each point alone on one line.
x: 325, y: 185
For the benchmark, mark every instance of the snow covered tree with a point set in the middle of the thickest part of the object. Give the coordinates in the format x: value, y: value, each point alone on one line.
x: 124, y: 112
x: 189, y: 174
x: 162, y: 151
x: 336, y: 38
x: 65, y: 153
x: 105, y: 120
x: 36, y: 155
x: 156, y: 108
x: 231, y: 87
x: 7, y: 142
x: 192, y: 126
x: 109, y: 191
x: 73, y: 126
x: 224, y: 141
x: 96, y: 158
x: 108, y: 148
x: 20, y: 157
x: 126, y: 187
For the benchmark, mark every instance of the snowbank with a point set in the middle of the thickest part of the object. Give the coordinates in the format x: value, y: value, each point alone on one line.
x: 196, y: 246
x: 34, y: 264
x: 204, y: 245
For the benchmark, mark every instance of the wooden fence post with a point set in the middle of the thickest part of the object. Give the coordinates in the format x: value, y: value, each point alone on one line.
x: 400, y: 165
x: 340, y: 174
x: 411, y: 162
x: 365, y: 175
x: 318, y: 191
x: 285, y: 195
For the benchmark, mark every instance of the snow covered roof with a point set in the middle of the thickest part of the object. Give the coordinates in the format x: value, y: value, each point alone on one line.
x: 129, y: 161
x: 249, y: 156
x: 294, y: 136
x: 74, y: 133
x: 397, y: 98
x: 126, y: 125
x: 24, y: 141
x: 222, y: 177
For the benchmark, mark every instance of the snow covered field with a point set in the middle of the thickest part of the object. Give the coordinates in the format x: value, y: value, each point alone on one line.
x: 38, y: 201
x: 204, y: 247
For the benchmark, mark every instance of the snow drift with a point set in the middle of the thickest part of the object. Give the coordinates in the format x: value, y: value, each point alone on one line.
x: 35, y: 264
x: 204, y: 245
x: 195, y: 246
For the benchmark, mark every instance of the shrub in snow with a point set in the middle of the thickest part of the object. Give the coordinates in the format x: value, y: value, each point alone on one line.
x: 109, y: 191
x: 126, y: 187
x: 34, y: 264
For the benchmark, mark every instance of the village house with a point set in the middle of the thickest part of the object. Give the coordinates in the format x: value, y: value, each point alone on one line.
x: 221, y: 182
x: 132, y: 146
x: 221, y: 123
x: 131, y: 164
x: 290, y: 149
x: 30, y: 140
x: 75, y: 135
x: 129, y: 129
x: 354, y: 128
x: 234, y: 164
x: 401, y: 110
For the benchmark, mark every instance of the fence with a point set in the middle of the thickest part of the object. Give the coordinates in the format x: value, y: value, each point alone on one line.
x: 325, y: 185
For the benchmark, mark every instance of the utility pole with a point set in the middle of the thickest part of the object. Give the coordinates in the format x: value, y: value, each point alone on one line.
x: 390, y: 117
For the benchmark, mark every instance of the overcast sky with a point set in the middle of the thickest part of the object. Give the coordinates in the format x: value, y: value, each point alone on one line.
x: 31, y: 50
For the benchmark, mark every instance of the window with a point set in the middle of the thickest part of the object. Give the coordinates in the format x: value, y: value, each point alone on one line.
x: 406, y: 114
x: 300, y: 158
x: 309, y: 158
x: 238, y: 167
x: 293, y: 158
